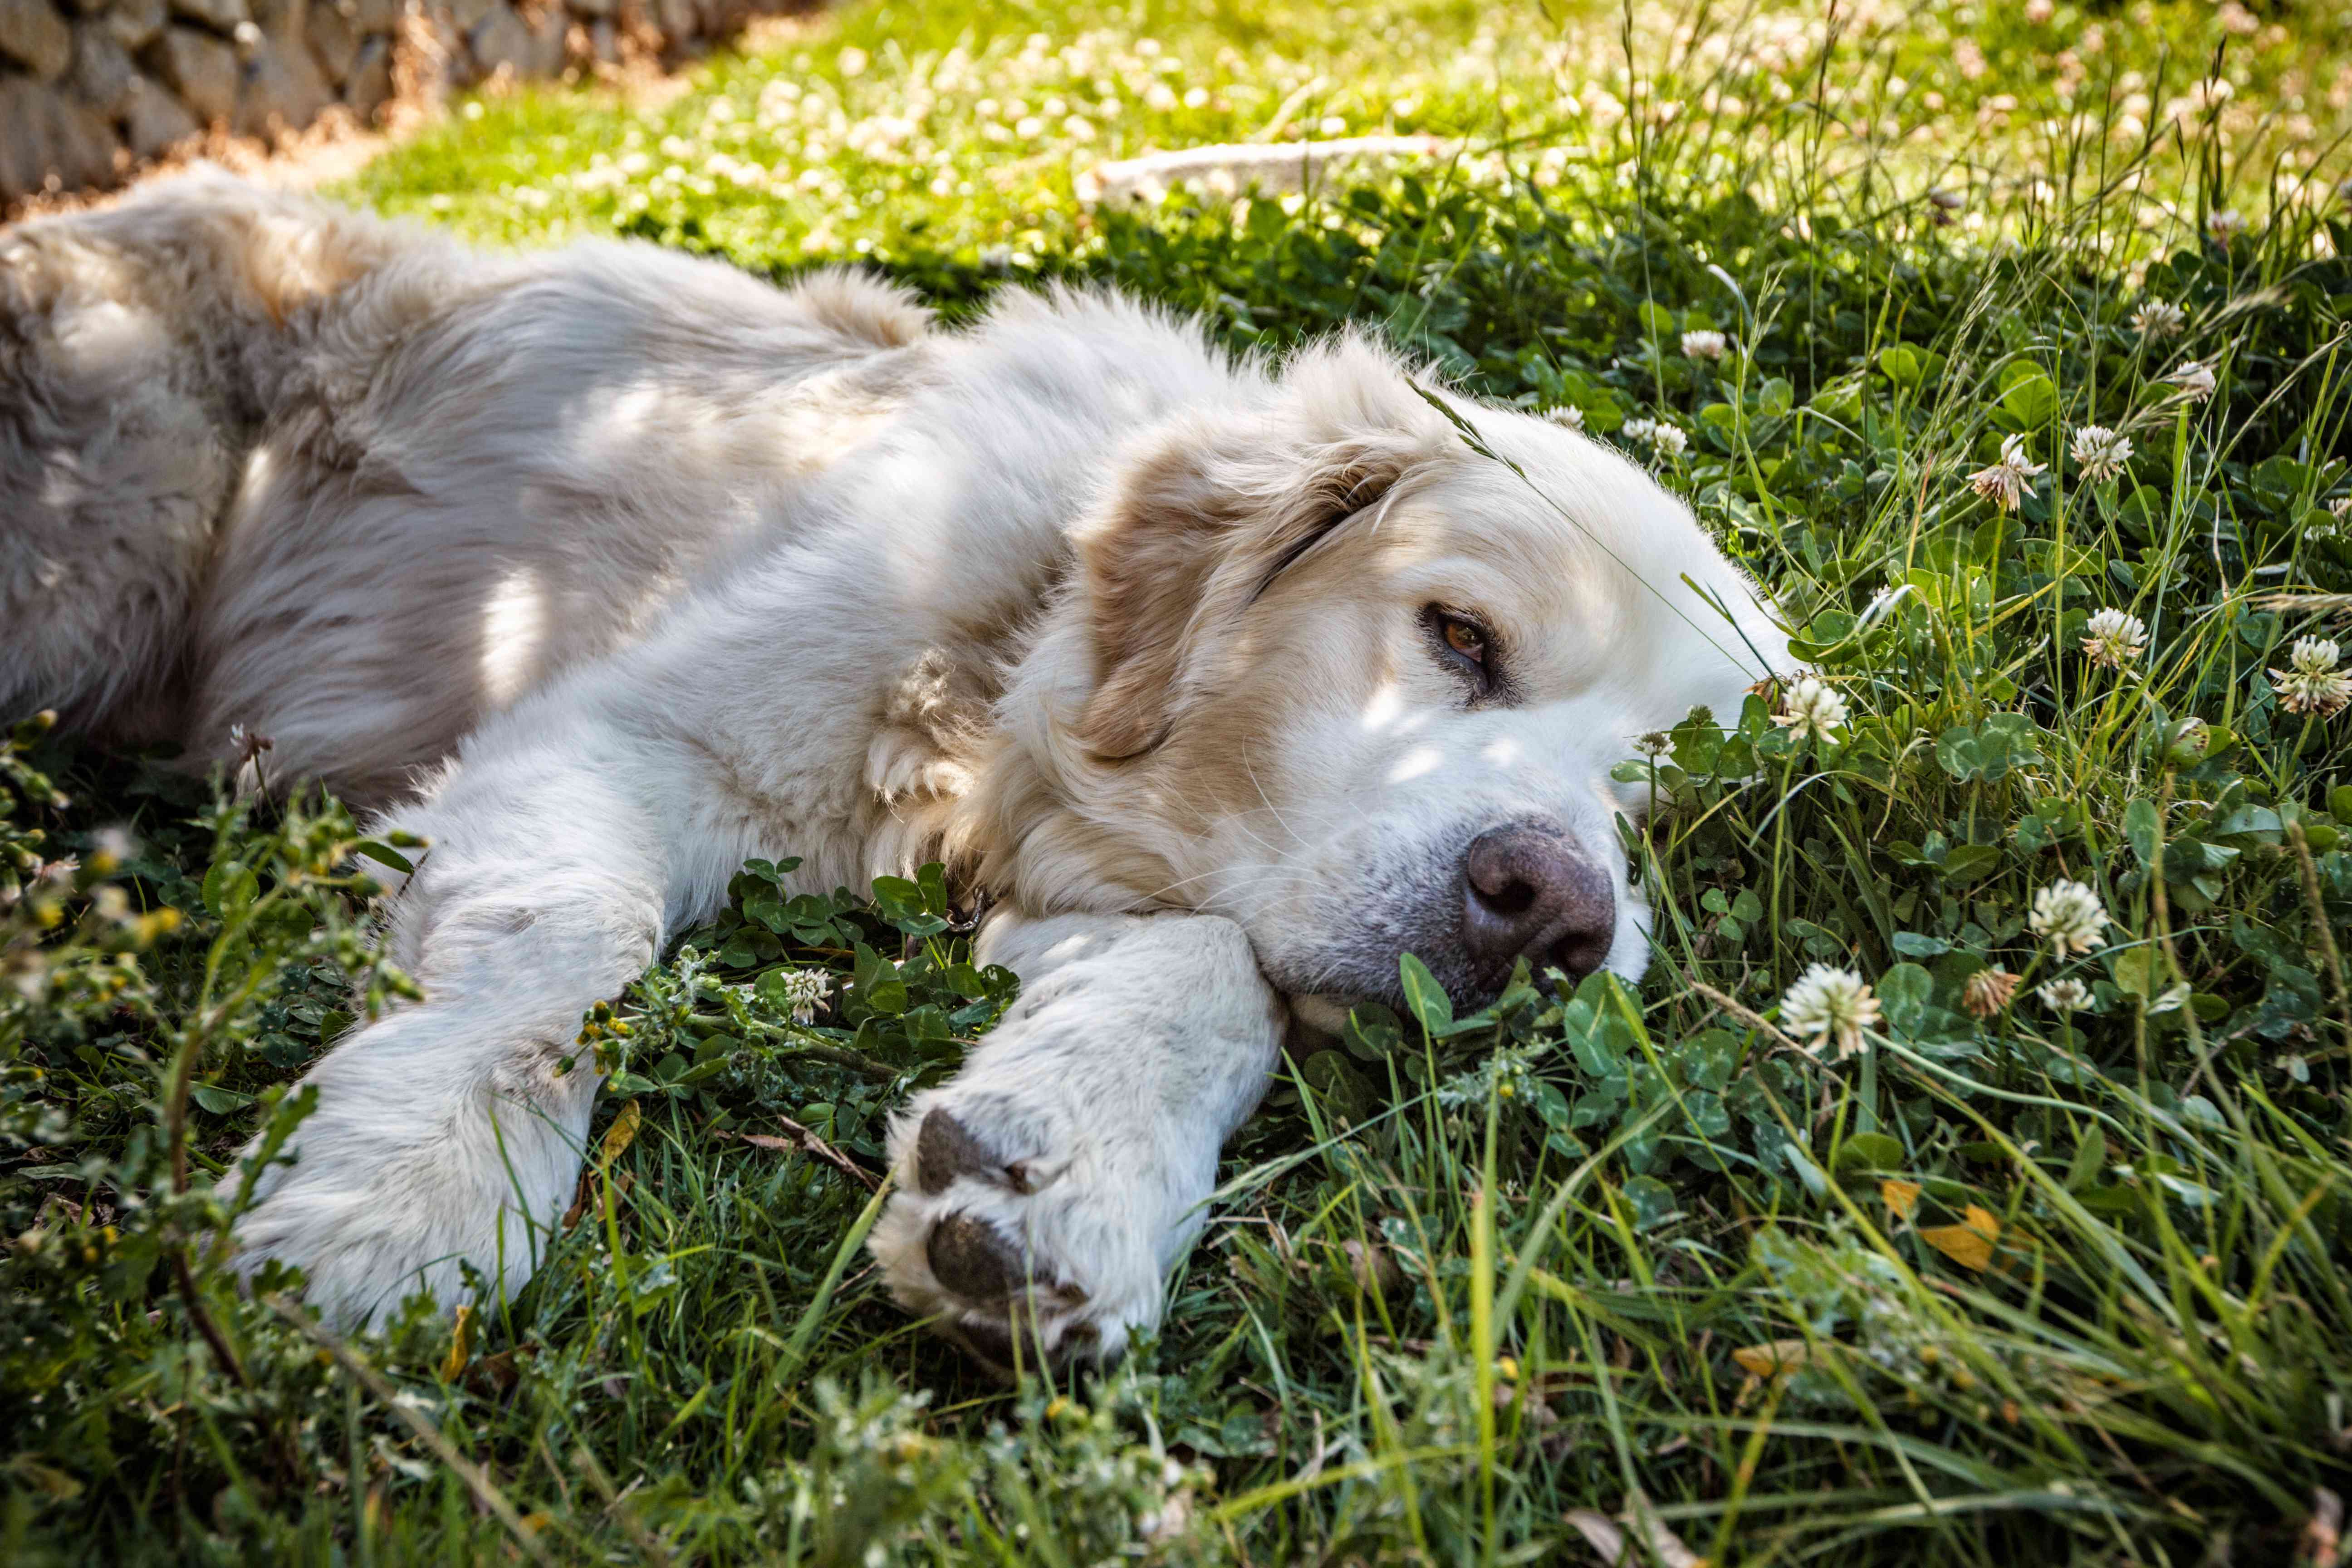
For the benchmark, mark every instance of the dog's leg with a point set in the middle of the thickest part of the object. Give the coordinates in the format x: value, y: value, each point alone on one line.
x: 1047, y: 1189
x: 449, y: 1133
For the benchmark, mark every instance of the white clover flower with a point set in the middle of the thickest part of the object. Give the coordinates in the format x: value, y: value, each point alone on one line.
x: 2159, y: 319
x: 1704, y: 344
x: 2114, y: 639
x: 1653, y: 745
x: 2005, y: 481
x: 2341, y: 506
x: 1829, y: 1004
x: 2069, y: 917
x: 1568, y: 415
x: 1657, y: 434
x: 109, y: 847
x: 2225, y: 224
x: 1988, y: 992
x: 2100, y: 453
x: 2196, y: 381
x: 1811, y: 710
x: 2065, y: 995
x: 2312, y: 683
x: 806, y: 990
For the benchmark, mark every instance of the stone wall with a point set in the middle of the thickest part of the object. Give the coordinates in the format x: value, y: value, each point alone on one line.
x: 91, y: 89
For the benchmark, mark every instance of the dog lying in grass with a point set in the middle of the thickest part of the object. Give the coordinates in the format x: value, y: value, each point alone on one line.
x: 605, y: 569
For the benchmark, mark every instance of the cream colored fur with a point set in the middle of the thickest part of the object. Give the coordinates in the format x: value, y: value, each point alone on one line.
x: 604, y: 569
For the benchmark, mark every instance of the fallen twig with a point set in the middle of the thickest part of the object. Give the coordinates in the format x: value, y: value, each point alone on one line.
x: 802, y: 1140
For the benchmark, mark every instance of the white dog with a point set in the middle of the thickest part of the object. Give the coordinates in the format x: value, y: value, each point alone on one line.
x: 604, y: 569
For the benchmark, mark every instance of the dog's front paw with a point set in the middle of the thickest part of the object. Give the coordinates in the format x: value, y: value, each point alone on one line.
x: 1030, y: 1239
x: 368, y: 1232
x: 409, y: 1173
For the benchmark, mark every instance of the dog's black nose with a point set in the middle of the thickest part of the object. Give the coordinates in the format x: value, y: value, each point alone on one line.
x: 1528, y: 891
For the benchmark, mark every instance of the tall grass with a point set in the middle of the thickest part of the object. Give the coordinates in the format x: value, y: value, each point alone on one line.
x: 2009, y: 1282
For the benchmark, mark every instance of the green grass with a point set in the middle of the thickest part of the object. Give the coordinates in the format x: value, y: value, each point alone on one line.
x: 2030, y: 1287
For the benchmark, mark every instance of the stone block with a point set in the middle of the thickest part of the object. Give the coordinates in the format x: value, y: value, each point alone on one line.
x: 500, y: 38
x: 334, y: 38
x: 220, y: 16
x: 102, y: 74
x: 198, y: 66
x: 135, y: 22
x: 282, y: 90
x: 154, y: 121
x: 547, y: 32
x: 32, y: 34
x: 281, y: 19
x: 46, y: 137
x: 368, y: 88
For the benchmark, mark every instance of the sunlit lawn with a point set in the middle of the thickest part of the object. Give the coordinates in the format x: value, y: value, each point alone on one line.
x: 2027, y: 405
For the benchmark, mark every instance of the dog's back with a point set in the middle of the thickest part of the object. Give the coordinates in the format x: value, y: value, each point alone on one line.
x: 264, y: 461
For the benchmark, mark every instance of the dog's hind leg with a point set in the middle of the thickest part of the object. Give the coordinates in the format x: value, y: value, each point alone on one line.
x: 140, y: 352
x: 116, y: 459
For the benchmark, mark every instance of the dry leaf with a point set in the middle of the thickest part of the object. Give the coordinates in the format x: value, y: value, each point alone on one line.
x: 1607, y: 1541
x: 1968, y: 1244
x: 581, y: 1192
x: 461, y: 1344
x: 1900, y: 1198
x: 622, y: 1133
x: 1601, y: 1533
x: 495, y: 1376
x: 804, y: 1140
x: 1374, y: 1269
x: 1772, y: 1358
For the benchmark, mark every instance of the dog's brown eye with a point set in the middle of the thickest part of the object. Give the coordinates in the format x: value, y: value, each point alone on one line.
x: 1467, y: 648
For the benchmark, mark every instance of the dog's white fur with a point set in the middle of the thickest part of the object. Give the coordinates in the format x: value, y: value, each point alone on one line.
x: 605, y: 569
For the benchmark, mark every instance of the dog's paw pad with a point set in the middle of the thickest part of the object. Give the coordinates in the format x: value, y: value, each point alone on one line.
x: 946, y: 1152
x: 967, y: 1257
x: 971, y: 1258
x: 990, y: 1237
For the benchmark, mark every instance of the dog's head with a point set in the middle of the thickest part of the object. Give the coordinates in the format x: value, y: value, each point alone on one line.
x: 1335, y: 672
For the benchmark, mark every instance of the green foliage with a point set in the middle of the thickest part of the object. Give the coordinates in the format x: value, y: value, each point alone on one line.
x: 2015, y: 1280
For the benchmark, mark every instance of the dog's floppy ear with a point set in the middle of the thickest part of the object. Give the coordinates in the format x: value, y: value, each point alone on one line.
x: 1205, y: 515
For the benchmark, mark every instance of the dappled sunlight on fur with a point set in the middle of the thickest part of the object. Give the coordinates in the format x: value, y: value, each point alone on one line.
x: 604, y: 570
